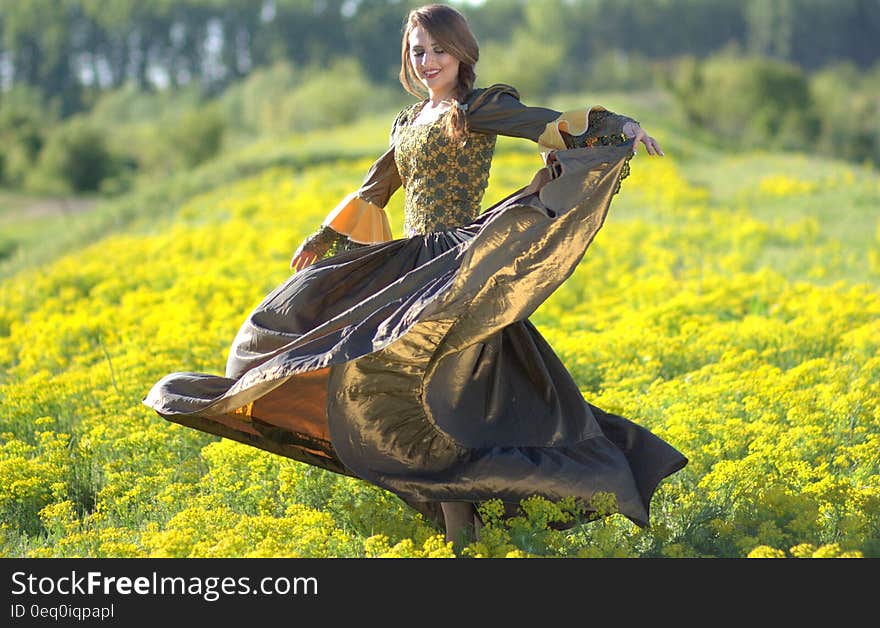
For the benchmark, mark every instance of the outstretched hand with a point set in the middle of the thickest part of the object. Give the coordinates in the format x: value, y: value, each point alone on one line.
x: 314, y: 248
x: 633, y: 131
x: 301, y: 259
x: 310, y: 251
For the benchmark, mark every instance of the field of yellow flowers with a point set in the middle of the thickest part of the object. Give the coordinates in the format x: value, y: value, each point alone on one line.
x: 732, y: 315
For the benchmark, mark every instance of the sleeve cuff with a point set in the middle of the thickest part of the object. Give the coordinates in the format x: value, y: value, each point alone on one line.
x: 596, y: 126
x: 573, y: 122
x: 360, y: 220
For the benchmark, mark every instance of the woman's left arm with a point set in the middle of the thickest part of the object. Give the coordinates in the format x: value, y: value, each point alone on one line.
x: 498, y: 110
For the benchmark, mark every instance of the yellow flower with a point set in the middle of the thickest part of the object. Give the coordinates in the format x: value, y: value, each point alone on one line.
x: 765, y: 551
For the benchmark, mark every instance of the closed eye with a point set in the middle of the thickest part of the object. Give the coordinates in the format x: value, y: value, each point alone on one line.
x: 419, y: 52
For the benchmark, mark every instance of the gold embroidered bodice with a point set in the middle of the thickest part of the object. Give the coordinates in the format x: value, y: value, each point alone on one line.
x: 444, y: 181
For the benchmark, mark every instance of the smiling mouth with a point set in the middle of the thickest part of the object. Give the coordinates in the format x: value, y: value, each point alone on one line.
x: 430, y: 74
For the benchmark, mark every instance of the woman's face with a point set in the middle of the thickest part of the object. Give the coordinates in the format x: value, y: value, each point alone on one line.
x: 435, y: 68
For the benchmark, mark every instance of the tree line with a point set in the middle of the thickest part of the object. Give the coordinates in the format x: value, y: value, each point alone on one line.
x: 97, y: 94
x: 69, y: 50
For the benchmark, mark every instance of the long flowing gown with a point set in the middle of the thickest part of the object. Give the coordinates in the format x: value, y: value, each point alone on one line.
x: 411, y: 362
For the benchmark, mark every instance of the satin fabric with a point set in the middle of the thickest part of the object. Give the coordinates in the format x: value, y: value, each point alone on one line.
x: 412, y: 363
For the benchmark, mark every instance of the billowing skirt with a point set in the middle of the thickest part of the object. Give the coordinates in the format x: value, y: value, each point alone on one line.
x: 412, y: 363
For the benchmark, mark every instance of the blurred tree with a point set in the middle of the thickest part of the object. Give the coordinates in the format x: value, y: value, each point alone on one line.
x: 39, y: 37
x: 75, y: 159
x: 494, y: 19
x: 771, y: 26
x: 533, y: 57
x: 826, y: 32
x: 24, y: 121
x: 308, y: 31
x: 372, y: 32
x: 848, y: 126
x: 748, y: 101
x: 197, y: 135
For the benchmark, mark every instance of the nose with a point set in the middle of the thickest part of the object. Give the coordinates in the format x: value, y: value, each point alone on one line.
x: 427, y: 59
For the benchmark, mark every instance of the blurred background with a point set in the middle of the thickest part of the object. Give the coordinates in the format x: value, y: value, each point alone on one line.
x: 95, y: 94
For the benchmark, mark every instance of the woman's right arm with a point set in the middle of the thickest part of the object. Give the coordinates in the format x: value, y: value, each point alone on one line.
x: 360, y: 218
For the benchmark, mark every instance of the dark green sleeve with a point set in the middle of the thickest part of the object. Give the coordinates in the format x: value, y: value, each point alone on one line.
x: 498, y: 110
x: 382, y: 180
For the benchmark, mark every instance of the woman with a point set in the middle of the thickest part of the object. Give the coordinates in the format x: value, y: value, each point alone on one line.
x: 410, y: 362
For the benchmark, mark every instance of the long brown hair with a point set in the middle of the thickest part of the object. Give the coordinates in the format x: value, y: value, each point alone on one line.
x: 451, y: 31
